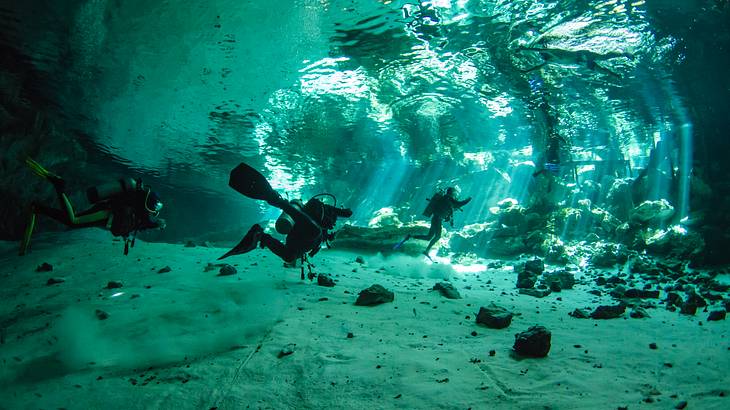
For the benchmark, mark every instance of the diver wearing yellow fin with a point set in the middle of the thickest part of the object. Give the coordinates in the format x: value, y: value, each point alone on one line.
x: 124, y: 207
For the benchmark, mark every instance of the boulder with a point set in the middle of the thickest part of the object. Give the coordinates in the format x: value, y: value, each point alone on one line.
x: 528, y: 272
x: 227, y: 270
x: 494, y: 317
x: 606, y: 255
x: 535, y: 342
x: 608, y: 312
x: 447, y: 290
x: 374, y: 295
x: 716, y: 315
x: 562, y: 278
x: 651, y: 212
x: 641, y: 294
x: 579, y: 314
x: 325, y: 280
x: 538, y: 293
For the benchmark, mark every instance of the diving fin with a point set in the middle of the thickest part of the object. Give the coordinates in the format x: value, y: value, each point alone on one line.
x: 248, y: 243
x: 252, y: 184
x: 399, y: 244
x: 39, y: 170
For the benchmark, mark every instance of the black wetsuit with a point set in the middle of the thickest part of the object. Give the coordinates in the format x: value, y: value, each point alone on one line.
x: 128, y: 212
x: 312, y: 224
x: 443, y: 210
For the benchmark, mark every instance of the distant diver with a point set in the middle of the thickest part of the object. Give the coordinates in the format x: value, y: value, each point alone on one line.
x: 440, y: 208
x: 124, y: 207
x: 586, y: 58
x: 549, y: 162
x: 306, y: 225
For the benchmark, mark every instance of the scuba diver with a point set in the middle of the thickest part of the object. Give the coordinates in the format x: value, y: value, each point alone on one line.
x: 124, y: 207
x: 549, y: 162
x: 574, y: 57
x: 440, y: 208
x: 306, y: 225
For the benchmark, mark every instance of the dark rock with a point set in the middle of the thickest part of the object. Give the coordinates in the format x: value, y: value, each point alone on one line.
x: 535, y: 342
x: 653, y: 346
x: 681, y: 405
x: 727, y: 305
x: 350, y: 335
x: 595, y: 292
x: 492, y: 353
x: 607, y: 255
x: 44, y: 267
x: 538, y: 293
x: 325, y: 280
x: 615, y: 280
x: 688, y: 309
x: 528, y: 272
x: 55, y: 281
x: 189, y: 244
x: 608, y: 312
x: 360, y: 260
x: 286, y: 350
x: 651, y: 212
x: 447, y: 290
x: 227, y: 270
x: 164, y: 270
x: 101, y: 315
x: 494, y: 317
x: 674, y: 299
x: 618, y: 292
x: 374, y: 295
x: 638, y: 313
x: 579, y: 314
x: 535, y: 265
x: 114, y: 284
x: 641, y: 294
x: 563, y: 279
x: 600, y: 281
x: 716, y: 315
x: 695, y: 299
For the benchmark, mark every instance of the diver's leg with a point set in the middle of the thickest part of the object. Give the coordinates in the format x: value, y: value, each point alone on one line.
x: 249, y: 242
x: 278, y: 248
x: 433, y: 230
x: 52, y: 213
x: 436, y: 231
x: 27, y: 235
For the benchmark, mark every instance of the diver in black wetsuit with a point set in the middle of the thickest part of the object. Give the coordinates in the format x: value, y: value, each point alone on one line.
x: 551, y: 159
x: 307, y: 226
x: 124, y: 207
x: 440, y: 208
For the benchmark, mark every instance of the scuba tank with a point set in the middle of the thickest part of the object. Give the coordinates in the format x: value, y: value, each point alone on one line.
x: 110, y: 189
x: 284, y: 222
x: 432, y: 203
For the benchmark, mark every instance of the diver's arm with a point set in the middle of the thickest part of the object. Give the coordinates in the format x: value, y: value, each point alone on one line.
x: 459, y: 204
x: 152, y: 223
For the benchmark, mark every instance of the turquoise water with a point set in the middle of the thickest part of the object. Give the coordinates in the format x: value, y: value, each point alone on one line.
x: 342, y: 96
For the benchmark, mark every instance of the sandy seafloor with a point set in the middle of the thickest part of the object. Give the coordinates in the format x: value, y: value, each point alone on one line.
x: 188, y: 339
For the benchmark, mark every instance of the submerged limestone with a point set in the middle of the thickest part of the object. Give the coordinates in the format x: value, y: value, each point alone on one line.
x: 374, y: 295
x: 535, y: 342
